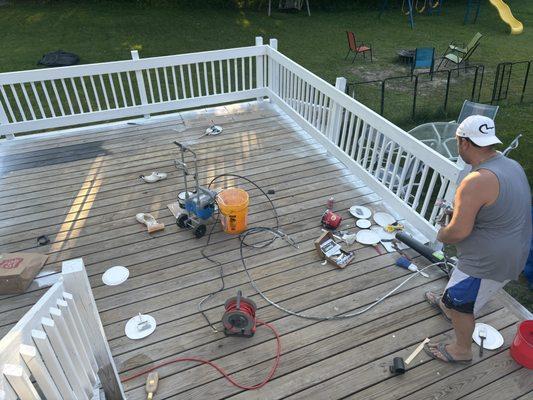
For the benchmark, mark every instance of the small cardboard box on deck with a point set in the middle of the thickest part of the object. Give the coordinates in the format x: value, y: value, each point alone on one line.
x: 17, y: 271
x: 331, y: 251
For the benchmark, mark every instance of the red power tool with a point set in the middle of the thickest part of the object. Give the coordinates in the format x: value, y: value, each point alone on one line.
x: 330, y: 220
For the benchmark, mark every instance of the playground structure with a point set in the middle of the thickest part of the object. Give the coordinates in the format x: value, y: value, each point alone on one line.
x: 410, y: 6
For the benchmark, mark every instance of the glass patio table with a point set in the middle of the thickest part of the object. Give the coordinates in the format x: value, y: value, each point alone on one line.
x: 440, y: 136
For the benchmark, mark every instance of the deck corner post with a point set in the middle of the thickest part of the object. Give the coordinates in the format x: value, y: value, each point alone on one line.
x: 273, y: 69
x: 335, y: 118
x: 76, y: 282
x: 140, y: 82
x: 259, y: 71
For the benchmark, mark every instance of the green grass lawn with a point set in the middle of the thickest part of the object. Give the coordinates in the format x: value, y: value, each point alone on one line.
x: 107, y: 30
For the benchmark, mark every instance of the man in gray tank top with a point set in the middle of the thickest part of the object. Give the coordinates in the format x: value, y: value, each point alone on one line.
x: 491, y: 229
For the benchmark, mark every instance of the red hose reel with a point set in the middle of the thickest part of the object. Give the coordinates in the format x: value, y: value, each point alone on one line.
x: 239, y: 317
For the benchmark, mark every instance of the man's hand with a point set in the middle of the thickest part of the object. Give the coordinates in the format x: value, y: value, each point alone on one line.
x: 478, y: 189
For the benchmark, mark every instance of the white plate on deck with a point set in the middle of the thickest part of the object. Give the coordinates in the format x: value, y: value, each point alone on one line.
x: 382, y: 233
x: 494, y: 339
x: 384, y: 219
x: 367, y: 237
x: 363, y: 223
x: 115, y: 276
x: 360, y: 212
x: 132, y: 326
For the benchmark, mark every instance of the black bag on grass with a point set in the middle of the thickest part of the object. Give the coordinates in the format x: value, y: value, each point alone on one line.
x: 59, y: 58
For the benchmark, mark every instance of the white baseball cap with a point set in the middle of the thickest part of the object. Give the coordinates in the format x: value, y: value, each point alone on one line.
x: 480, y: 129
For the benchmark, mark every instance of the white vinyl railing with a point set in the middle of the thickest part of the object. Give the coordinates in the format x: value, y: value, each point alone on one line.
x: 49, y: 98
x: 408, y: 175
x: 58, y: 349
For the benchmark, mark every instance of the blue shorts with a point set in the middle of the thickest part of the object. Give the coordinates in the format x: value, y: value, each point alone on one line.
x: 467, y: 294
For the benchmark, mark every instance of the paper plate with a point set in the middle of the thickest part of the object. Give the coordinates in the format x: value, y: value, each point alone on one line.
x: 115, y: 276
x: 384, y: 219
x: 382, y: 233
x: 494, y: 339
x: 132, y: 331
x: 367, y: 237
x: 363, y: 223
x: 360, y: 212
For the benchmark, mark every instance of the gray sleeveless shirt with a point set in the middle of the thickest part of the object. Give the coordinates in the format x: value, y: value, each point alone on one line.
x: 498, y: 246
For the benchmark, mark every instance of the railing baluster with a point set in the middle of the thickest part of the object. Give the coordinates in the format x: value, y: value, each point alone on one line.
x: 113, y: 91
x: 159, y: 88
x: 428, y: 193
x: 87, y: 98
x: 95, y: 93
x: 367, y: 146
x: 175, y: 82
x: 443, y: 185
x: 236, y: 73
x: 228, y: 71
x: 345, y: 131
x: 26, y: 97
x: 167, y: 87
x: 150, y: 86
x: 206, y: 81
x: 325, y: 113
x: 183, y: 83
x: 221, y: 76
x: 360, y: 142
x: 408, y: 159
x: 198, y: 79
x: 354, y: 142
x: 314, y: 105
x: 39, y: 371
x: 243, y: 74
x: 20, y: 382
x: 132, y: 93
x: 16, y: 97
x: 47, y: 97
x: 250, y: 73
x: 52, y: 363
x: 189, y: 75
x: 37, y: 98
x: 6, y: 101
x: 67, y: 95
x: 75, y: 88
x: 412, y: 178
x: 58, y: 98
x: 379, y: 161
x: 213, y: 78
x: 104, y: 91
x: 420, y: 186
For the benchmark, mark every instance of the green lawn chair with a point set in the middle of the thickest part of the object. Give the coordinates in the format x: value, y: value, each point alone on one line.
x: 459, y: 54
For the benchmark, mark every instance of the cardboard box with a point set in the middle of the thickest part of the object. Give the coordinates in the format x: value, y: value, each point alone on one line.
x: 17, y: 271
x: 332, y: 252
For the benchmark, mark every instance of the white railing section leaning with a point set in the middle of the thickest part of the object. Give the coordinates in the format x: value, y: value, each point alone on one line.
x: 58, y: 349
x: 58, y: 97
x: 408, y: 175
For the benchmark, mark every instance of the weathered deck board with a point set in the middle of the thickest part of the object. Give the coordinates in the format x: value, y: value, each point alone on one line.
x: 83, y: 191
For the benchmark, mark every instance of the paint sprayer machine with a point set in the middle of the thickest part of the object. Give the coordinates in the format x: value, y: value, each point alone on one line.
x: 198, y: 205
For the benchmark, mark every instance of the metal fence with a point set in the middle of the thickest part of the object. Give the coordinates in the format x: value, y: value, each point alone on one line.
x: 510, y: 76
x: 436, y: 88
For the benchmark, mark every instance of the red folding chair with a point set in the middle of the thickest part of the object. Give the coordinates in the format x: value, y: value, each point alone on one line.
x: 353, y: 47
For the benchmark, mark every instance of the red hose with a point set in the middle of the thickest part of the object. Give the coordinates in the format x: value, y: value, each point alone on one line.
x: 219, y: 369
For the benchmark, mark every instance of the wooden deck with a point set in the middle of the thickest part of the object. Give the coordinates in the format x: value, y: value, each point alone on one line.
x: 83, y: 190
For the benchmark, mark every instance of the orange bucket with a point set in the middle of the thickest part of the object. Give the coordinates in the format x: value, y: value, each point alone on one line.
x: 233, y: 205
x: 522, y: 346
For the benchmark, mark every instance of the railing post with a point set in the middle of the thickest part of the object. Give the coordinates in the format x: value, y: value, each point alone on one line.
x: 335, y: 117
x: 77, y: 283
x: 273, y: 72
x: 259, y: 73
x: 4, y: 121
x: 140, y: 82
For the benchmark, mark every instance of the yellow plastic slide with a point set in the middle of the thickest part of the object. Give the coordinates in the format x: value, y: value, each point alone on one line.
x: 507, y: 16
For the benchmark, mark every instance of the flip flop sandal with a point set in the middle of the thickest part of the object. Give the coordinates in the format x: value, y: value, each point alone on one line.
x: 151, y: 224
x: 448, y: 358
x: 433, y: 300
x: 154, y: 177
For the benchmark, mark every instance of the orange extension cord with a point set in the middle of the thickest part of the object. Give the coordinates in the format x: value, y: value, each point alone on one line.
x: 219, y: 369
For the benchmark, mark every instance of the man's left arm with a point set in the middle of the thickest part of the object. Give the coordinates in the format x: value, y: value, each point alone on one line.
x: 469, y: 198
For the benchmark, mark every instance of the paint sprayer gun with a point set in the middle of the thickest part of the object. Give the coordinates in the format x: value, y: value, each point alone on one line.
x: 445, y: 212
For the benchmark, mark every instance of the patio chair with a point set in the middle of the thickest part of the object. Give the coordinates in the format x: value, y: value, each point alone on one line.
x: 457, y: 54
x: 471, y: 108
x: 355, y: 48
x: 424, y: 59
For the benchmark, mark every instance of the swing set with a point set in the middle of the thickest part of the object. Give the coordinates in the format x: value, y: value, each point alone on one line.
x: 420, y: 6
